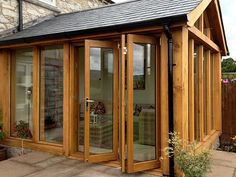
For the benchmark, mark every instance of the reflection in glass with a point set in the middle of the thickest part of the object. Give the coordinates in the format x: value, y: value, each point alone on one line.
x: 51, y: 94
x: 81, y: 100
x: 101, y: 92
x: 139, y: 67
x: 22, y: 83
x: 144, y: 117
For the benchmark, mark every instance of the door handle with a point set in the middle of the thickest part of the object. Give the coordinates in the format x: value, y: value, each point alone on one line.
x: 87, y: 100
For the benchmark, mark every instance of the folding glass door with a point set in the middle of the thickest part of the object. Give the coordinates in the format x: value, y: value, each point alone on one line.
x: 100, y: 101
x: 142, y: 108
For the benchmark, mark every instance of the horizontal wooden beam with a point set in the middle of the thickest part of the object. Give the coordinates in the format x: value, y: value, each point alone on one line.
x: 74, y: 39
x: 203, y: 39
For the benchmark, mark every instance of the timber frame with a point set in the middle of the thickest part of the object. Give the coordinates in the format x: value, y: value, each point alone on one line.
x: 197, y: 52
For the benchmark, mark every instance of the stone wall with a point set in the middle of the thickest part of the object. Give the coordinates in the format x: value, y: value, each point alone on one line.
x: 35, y: 11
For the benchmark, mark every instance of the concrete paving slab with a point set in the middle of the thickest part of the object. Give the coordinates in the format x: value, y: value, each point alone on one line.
x: 227, y: 159
x: 50, y: 161
x: 58, y: 170
x: 221, y: 171
x: 38, y: 164
x: 10, y: 168
x: 71, y: 162
x: 32, y: 157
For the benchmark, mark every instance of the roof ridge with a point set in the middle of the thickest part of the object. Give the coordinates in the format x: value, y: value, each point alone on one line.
x: 99, y: 7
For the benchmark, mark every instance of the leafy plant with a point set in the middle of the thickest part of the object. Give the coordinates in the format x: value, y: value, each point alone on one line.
x: 22, y: 130
x: 187, y: 159
x: 2, y: 133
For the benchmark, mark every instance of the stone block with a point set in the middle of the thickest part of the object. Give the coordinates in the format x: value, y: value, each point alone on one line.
x: 9, y: 12
x: 3, y: 19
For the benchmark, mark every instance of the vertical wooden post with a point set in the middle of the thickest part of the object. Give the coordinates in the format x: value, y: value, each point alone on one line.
x: 66, y: 98
x: 217, y: 92
x: 180, y: 48
x: 191, y: 90
x: 208, y: 87
x: 122, y: 103
x: 36, y: 86
x: 5, y: 89
x: 180, y: 41
x: 200, y: 91
x: 201, y: 23
x: 129, y: 105
x: 164, y: 103
x: 73, y: 126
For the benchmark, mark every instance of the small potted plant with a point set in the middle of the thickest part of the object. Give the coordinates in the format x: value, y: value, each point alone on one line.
x: 191, y: 162
x: 3, y: 150
x: 23, y: 131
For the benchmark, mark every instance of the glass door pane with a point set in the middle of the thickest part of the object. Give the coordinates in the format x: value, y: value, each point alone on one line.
x: 101, y: 124
x: 144, y: 112
x: 101, y: 95
x: 22, y: 93
x: 142, y: 108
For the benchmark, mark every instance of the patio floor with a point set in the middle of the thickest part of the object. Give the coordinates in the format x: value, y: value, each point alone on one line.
x: 38, y: 164
x: 224, y: 164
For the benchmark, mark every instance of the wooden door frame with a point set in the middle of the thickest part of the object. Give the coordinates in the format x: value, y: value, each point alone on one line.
x: 146, y: 165
x: 114, y: 154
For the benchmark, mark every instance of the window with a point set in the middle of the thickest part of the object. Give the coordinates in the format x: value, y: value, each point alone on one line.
x: 51, y: 2
x: 51, y: 94
x: 21, y: 89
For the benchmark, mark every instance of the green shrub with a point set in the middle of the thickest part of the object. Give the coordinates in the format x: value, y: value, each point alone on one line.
x: 2, y: 134
x: 190, y: 162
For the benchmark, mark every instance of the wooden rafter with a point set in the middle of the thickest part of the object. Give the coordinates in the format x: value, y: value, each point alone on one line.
x: 215, y: 10
x: 197, y: 12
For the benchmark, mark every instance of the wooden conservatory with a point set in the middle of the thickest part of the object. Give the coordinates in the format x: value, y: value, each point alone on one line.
x: 107, y: 85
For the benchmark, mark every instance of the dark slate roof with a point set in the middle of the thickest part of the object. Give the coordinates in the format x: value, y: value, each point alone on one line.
x: 107, y: 17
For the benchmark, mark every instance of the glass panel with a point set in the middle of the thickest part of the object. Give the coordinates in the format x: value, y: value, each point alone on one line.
x: 196, y: 95
x: 22, y: 78
x: 101, y: 92
x: 81, y: 100
x: 144, y: 117
x: 51, y: 94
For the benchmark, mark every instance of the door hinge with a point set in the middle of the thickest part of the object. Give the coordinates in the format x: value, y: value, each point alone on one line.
x: 125, y: 50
